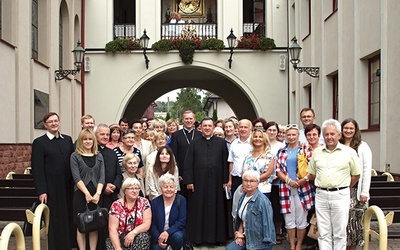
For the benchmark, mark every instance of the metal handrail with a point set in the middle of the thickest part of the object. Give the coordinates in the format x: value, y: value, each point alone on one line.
x: 36, y: 220
x: 12, y: 228
x: 383, y: 222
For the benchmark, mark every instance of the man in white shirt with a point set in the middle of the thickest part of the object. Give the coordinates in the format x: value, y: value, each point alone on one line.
x: 240, y: 147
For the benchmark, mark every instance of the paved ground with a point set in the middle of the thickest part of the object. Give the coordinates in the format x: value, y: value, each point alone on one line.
x: 374, y: 245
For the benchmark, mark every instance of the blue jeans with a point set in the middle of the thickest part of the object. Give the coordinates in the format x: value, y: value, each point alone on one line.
x: 175, y: 240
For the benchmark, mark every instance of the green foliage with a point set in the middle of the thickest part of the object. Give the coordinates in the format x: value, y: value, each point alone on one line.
x: 215, y: 115
x: 162, y: 45
x: 187, y: 47
x: 168, y: 116
x: 122, y: 45
x: 186, y: 51
x: 256, y: 42
x: 212, y: 44
x: 188, y: 98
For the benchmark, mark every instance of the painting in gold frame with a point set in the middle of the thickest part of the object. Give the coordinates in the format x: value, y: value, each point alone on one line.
x: 190, y: 8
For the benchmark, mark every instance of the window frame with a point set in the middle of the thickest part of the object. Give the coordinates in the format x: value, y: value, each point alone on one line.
x: 35, y: 30
x: 335, y: 96
x: 371, y: 82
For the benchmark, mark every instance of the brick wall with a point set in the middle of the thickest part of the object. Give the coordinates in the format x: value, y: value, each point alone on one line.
x: 14, y: 157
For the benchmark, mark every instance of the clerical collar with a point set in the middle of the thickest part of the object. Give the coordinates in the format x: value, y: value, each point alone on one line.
x: 188, y: 130
x: 51, y: 136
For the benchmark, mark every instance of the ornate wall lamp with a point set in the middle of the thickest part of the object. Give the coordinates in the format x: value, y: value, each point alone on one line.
x: 232, y: 44
x: 79, y: 52
x: 144, y: 42
x: 294, y: 52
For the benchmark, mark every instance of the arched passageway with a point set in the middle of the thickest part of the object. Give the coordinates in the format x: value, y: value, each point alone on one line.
x: 190, y: 76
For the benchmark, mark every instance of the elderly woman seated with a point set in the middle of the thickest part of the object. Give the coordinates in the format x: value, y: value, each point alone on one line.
x: 254, y: 226
x: 130, y: 219
x: 169, y: 216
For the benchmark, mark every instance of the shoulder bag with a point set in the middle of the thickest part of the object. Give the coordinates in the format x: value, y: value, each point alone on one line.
x: 92, y: 220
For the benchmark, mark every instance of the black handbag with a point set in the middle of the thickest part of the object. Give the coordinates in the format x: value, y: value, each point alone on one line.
x: 27, y: 228
x: 92, y: 220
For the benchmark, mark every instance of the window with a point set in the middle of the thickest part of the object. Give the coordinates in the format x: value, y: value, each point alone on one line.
x: 254, y: 17
x: 374, y: 89
x: 60, y: 40
x: 0, y: 15
x: 35, y: 21
x: 305, y: 18
x: 335, y: 5
x: 124, y: 18
x: 335, y: 97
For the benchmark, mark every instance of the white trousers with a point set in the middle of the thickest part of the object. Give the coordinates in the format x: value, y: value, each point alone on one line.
x: 332, y: 210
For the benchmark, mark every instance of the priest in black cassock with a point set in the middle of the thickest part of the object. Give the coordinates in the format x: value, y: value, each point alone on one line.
x: 53, y: 182
x: 205, y: 175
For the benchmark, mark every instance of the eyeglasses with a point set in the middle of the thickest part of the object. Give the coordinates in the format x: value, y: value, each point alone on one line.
x: 249, y: 181
x: 289, y: 126
x: 132, y: 188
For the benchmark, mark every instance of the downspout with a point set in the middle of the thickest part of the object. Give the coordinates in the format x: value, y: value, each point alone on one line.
x: 83, y: 66
x: 288, y: 56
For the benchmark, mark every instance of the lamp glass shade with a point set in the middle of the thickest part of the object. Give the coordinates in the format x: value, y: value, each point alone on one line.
x: 231, y: 40
x: 79, y: 52
x: 295, y: 50
x: 144, y: 40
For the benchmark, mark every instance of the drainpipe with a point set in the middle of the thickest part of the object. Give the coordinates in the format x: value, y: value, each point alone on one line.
x: 83, y: 68
x: 288, y: 57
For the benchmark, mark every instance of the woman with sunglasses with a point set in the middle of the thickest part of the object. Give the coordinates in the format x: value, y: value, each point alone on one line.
x: 128, y: 140
x: 296, y: 195
x: 359, y: 193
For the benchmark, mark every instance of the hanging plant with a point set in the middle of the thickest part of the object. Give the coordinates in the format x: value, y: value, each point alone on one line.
x: 186, y: 51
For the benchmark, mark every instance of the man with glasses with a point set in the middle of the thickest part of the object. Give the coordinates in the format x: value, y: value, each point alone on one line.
x: 53, y: 182
x: 307, y: 117
x: 334, y: 168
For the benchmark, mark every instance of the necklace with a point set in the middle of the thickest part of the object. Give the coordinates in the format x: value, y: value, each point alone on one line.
x: 184, y: 133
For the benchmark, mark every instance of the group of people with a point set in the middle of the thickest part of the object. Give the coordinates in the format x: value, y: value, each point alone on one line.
x: 231, y: 178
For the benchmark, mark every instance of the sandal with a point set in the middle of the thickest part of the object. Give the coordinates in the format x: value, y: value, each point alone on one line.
x: 280, y: 237
x: 278, y: 242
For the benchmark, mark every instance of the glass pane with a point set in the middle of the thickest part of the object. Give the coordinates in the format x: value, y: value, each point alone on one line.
x: 375, y: 92
x: 374, y: 114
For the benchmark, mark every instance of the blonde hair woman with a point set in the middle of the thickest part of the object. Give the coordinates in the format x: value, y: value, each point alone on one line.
x: 87, y: 168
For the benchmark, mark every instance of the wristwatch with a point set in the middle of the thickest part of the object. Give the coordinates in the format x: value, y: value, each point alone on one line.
x: 98, y: 192
x: 306, y: 178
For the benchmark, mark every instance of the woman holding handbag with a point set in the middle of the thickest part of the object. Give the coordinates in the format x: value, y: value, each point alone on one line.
x: 87, y: 168
x: 129, y: 220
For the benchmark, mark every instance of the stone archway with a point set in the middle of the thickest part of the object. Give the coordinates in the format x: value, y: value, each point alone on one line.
x: 195, y: 77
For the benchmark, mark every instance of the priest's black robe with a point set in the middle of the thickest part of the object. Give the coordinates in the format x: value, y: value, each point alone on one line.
x: 52, y: 175
x: 206, y: 167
